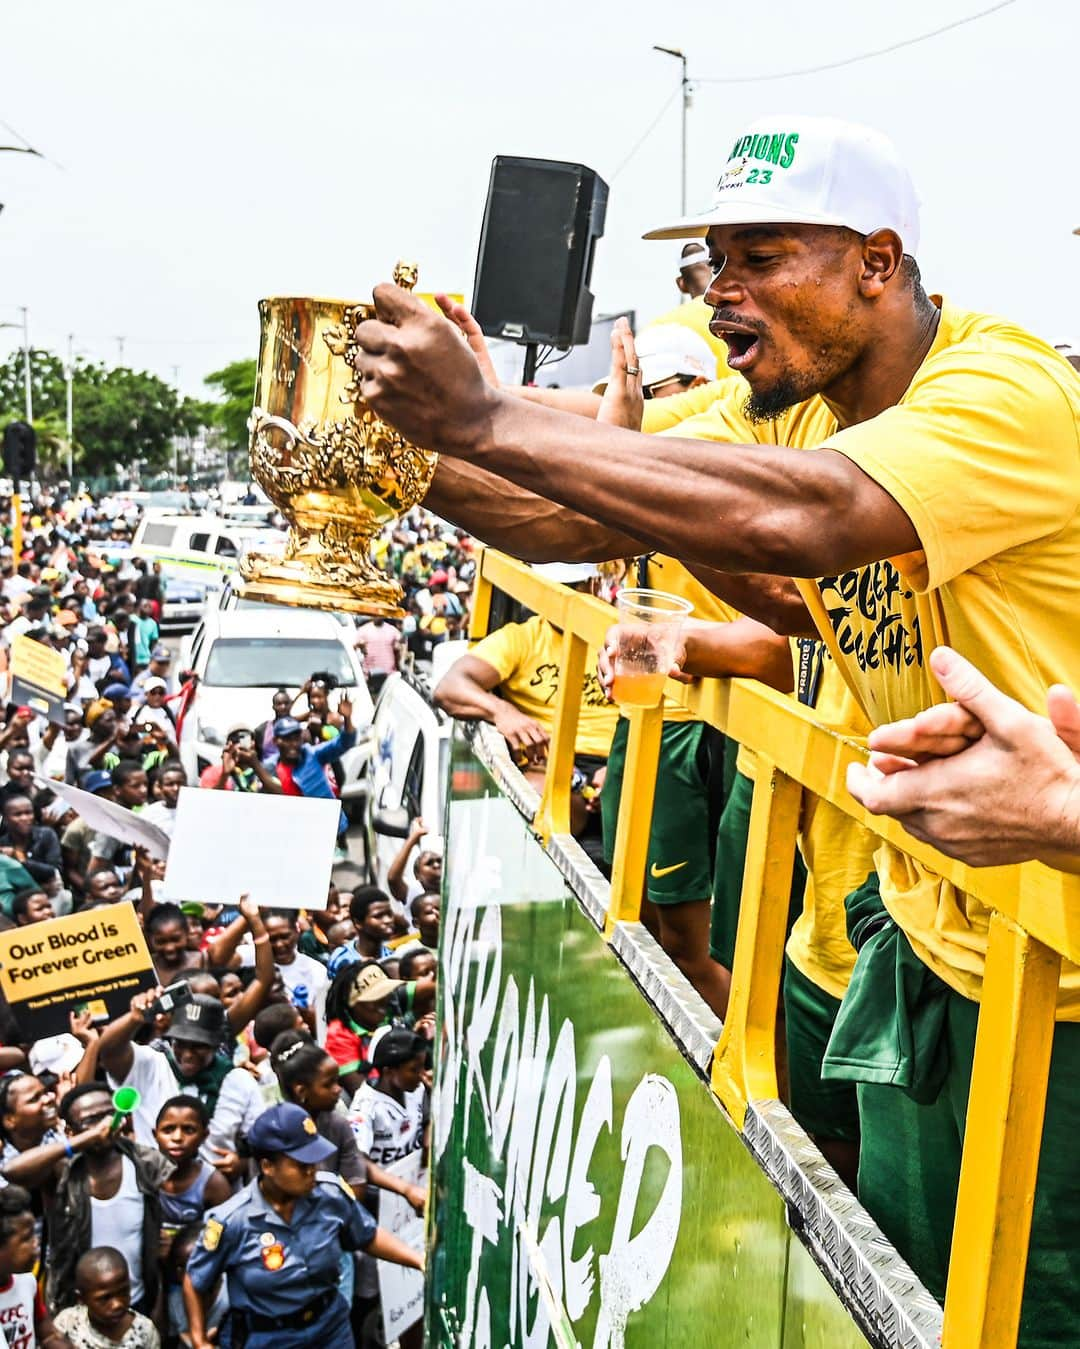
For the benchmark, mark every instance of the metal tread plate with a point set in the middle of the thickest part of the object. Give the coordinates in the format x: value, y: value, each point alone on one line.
x: 876, y: 1284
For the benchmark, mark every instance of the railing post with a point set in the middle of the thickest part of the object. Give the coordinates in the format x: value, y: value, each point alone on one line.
x: 1005, y: 1112
x: 635, y: 816
x: 480, y: 614
x: 553, y: 817
x: 744, y: 1065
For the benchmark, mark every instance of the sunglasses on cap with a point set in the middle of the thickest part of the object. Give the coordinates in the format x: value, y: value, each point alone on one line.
x: 650, y: 390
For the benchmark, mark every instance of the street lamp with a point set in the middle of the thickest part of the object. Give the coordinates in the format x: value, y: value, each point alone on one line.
x: 685, y: 81
x: 25, y: 326
x: 69, y: 380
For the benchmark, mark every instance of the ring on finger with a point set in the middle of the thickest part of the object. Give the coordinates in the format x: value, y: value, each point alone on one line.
x: 633, y: 370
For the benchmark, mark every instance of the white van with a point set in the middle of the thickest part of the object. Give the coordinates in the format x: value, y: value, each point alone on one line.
x: 199, y: 543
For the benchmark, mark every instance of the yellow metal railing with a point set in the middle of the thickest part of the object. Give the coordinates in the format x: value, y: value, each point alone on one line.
x: 1035, y: 923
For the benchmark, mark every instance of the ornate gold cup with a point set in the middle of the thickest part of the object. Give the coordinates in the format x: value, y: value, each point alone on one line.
x: 331, y: 466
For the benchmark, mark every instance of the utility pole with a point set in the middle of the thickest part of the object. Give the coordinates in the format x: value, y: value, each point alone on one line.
x: 26, y: 362
x: 176, y: 439
x: 69, y: 373
x: 120, y: 351
x: 685, y: 82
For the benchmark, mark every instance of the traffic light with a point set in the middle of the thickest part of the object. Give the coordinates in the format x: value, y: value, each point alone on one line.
x: 20, y: 450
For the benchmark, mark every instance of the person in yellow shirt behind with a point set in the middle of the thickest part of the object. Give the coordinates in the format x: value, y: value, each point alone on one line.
x: 693, y: 313
x: 510, y: 679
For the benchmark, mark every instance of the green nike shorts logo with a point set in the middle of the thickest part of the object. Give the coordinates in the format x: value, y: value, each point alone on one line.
x: 656, y: 872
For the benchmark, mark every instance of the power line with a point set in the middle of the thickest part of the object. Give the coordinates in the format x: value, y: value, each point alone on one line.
x: 805, y: 70
x: 853, y: 60
x: 648, y: 130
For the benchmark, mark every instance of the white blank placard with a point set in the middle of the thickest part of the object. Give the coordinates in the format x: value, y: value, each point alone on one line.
x: 277, y: 849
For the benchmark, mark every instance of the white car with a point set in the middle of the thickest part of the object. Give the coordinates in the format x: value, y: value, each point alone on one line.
x: 242, y: 658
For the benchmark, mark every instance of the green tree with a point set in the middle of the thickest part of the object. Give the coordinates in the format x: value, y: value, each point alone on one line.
x: 46, y: 384
x: 120, y: 416
x: 235, y: 386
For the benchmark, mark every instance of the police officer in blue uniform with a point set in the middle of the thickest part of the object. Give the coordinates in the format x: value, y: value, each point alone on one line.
x: 279, y: 1241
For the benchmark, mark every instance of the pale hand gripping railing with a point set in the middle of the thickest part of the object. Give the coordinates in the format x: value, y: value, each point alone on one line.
x: 1036, y: 921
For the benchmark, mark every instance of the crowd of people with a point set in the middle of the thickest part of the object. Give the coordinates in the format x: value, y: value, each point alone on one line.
x: 281, y: 1062
x: 872, y: 508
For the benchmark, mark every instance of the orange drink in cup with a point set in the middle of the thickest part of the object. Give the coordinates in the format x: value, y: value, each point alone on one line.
x: 650, y: 622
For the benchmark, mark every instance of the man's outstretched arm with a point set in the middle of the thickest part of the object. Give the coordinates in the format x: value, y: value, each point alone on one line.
x: 528, y: 526
x: 735, y: 508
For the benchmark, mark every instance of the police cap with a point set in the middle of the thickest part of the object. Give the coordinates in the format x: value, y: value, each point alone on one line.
x: 289, y: 1129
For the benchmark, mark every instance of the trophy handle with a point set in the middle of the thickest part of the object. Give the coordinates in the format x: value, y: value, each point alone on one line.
x: 260, y: 422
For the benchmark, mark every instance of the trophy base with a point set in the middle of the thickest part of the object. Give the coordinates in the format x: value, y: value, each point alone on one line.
x: 296, y: 584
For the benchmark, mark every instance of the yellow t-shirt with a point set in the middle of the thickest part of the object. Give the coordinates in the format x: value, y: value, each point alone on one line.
x: 983, y: 453
x: 837, y: 850
x: 696, y: 315
x: 526, y: 656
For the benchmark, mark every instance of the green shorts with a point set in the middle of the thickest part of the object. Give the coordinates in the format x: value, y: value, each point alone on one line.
x: 909, y: 1168
x: 825, y: 1109
x: 685, y: 814
x: 728, y: 873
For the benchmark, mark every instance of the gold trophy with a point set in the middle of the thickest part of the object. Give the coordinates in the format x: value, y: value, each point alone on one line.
x: 335, y: 470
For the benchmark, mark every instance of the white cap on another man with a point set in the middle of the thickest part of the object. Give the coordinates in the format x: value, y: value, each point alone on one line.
x: 690, y: 254
x: 809, y: 171
x: 567, y: 573
x: 670, y: 351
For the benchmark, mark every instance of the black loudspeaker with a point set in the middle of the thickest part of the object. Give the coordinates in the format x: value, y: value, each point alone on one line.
x: 541, y: 223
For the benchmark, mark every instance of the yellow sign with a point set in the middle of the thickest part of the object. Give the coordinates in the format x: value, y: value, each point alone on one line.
x: 38, y: 677
x: 97, y: 959
x: 39, y: 665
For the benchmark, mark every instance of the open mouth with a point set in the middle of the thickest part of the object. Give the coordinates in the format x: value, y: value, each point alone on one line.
x: 743, y: 344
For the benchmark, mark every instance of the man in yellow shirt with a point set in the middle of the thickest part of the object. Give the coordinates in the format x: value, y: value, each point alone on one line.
x: 510, y: 679
x: 913, y: 465
x: 693, y: 281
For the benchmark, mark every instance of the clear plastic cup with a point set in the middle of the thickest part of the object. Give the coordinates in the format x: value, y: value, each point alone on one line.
x: 650, y: 622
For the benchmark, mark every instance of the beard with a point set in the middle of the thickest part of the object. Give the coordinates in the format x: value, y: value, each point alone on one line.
x: 765, y: 405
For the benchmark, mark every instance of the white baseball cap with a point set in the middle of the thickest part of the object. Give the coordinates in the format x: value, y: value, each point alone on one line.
x: 668, y: 349
x: 665, y: 350
x: 809, y: 171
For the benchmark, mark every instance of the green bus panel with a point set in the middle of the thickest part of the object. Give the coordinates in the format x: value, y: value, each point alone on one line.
x: 587, y: 1187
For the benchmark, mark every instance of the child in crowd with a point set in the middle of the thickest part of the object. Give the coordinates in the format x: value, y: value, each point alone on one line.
x: 337, y: 936
x: 183, y: 1124
x: 309, y: 1078
x: 103, y: 1318
x: 24, y: 1321
x: 183, y: 1247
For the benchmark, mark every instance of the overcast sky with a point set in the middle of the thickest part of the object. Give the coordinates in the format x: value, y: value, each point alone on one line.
x: 213, y: 153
